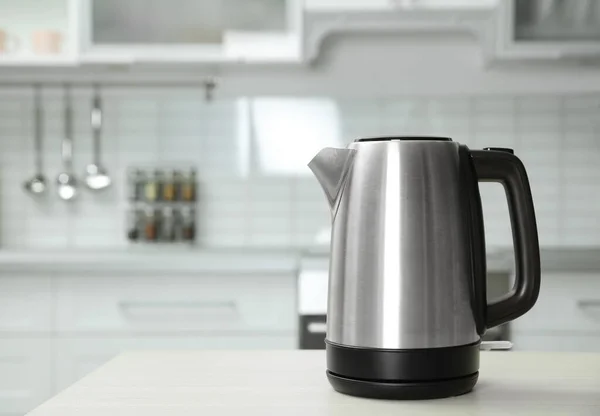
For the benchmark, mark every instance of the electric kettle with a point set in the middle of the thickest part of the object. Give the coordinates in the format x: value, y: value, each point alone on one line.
x: 407, y: 277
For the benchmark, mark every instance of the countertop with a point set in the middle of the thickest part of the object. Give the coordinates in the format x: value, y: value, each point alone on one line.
x: 241, y: 260
x: 151, y: 261
x: 293, y: 383
x: 501, y: 259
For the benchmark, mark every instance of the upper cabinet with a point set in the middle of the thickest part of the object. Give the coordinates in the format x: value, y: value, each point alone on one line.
x: 387, y: 4
x: 75, y: 32
x: 507, y: 29
x: 326, y: 17
x: 548, y: 29
x: 80, y: 32
x: 191, y: 30
x: 38, y: 33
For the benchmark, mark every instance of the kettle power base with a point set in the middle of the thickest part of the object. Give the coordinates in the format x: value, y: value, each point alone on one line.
x: 421, y: 390
x: 409, y: 374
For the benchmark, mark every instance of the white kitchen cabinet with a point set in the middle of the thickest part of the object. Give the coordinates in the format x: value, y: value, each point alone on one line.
x: 569, y: 302
x: 316, y: 5
x: 566, y: 316
x: 366, y: 5
x: 77, y: 357
x: 556, y: 342
x: 54, y: 329
x: 171, y: 31
x: 21, y: 19
x: 548, y: 29
x: 25, y: 374
x: 176, y: 304
x: 26, y: 304
x: 328, y: 17
x: 190, y: 30
x: 507, y: 29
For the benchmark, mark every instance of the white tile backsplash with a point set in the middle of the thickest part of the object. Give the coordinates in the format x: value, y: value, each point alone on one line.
x: 243, y: 202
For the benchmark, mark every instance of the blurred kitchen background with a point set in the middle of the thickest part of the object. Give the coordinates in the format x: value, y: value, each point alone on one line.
x: 213, y: 233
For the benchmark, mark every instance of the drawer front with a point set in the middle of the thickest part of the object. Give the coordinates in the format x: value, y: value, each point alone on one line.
x: 25, y: 304
x: 25, y: 374
x: 556, y: 342
x: 176, y: 304
x: 567, y: 302
x: 75, y: 358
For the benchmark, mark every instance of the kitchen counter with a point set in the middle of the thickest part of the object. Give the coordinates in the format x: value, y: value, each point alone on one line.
x: 151, y: 260
x: 242, y: 260
x: 501, y: 259
x: 294, y: 383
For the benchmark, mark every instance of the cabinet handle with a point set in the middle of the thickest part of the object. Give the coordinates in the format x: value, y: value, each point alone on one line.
x: 587, y: 305
x: 166, y: 309
x: 317, y: 327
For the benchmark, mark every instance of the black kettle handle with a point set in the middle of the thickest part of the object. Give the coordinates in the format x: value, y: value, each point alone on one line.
x: 501, y: 165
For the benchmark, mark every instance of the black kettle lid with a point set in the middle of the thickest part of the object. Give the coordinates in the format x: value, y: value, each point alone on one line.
x: 390, y: 138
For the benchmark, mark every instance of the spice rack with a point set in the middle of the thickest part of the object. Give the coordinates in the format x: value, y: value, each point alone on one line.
x: 162, y: 205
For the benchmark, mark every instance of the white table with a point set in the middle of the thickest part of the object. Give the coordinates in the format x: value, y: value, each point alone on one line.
x: 293, y: 383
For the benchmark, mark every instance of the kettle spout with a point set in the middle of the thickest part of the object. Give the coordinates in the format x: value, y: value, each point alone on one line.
x: 331, y: 167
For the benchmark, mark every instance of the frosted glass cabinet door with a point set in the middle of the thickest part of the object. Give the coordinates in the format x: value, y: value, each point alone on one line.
x: 548, y: 29
x: 557, y: 21
x: 183, y: 22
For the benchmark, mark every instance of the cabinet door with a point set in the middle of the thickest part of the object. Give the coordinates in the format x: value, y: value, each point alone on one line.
x: 191, y: 29
x: 182, y: 21
x: 548, y: 29
x: 25, y: 304
x: 75, y: 358
x: 564, y: 21
x: 25, y: 374
x: 176, y: 304
x: 568, y: 303
x: 552, y: 341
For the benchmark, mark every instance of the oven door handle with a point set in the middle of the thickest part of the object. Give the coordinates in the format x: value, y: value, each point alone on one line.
x: 316, y: 327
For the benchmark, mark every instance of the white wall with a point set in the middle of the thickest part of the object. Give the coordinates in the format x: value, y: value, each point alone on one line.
x: 555, y: 135
x: 379, y: 85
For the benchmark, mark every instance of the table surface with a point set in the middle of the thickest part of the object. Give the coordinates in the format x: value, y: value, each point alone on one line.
x: 294, y: 383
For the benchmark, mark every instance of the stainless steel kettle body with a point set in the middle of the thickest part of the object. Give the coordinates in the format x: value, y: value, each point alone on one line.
x: 407, y: 304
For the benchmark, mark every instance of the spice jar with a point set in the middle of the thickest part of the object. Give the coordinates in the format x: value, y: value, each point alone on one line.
x: 150, y: 225
x: 167, y: 225
x: 188, y: 229
x: 135, y: 185
x: 133, y: 232
x: 160, y: 182
x: 151, y: 188
x: 177, y: 184
x: 188, y: 187
x: 168, y: 187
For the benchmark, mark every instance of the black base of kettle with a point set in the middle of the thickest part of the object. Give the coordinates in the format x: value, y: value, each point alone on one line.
x: 408, y: 374
x: 421, y: 390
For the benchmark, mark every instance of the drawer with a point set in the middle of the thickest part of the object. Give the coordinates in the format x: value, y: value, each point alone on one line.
x: 147, y: 304
x: 77, y: 357
x: 567, y: 302
x: 26, y: 304
x: 25, y: 374
x: 556, y: 342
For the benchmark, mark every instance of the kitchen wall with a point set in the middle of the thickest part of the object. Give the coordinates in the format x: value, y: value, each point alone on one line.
x: 254, y: 187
